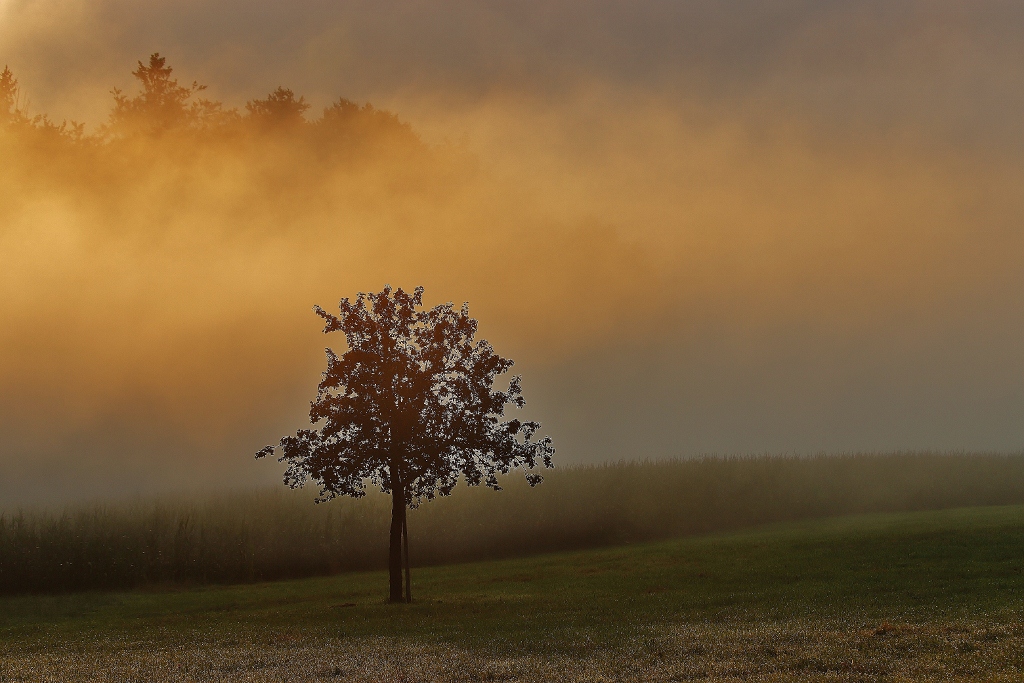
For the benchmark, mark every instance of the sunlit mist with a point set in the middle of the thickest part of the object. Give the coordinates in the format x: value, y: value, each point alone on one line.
x: 690, y: 242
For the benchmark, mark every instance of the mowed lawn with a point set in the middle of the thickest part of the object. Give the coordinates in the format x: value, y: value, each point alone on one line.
x: 921, y: 596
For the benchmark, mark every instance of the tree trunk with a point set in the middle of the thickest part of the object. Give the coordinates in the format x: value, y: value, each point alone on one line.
x: 405, y: 542
x: 395, y: 552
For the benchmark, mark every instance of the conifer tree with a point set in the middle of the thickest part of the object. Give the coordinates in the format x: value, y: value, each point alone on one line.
x: 8, y: 97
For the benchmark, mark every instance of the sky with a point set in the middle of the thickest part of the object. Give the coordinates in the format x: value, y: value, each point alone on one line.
x: 698, y: 227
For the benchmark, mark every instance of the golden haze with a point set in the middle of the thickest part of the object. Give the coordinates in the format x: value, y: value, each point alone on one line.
x: 168, y: 280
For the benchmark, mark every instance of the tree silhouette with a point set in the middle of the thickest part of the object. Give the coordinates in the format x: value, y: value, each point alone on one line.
x: 163, y: 105
x: 279, y: 109
x: 410, y: 408
x: 8, y: 97
x: 39, y: 127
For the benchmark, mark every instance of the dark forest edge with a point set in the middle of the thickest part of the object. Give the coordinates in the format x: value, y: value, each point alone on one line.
x: 165, y: 107
x: 269, y: 535
x: 168, y: 136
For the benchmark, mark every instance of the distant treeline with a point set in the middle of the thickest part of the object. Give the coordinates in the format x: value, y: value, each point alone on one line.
x: 168, y: 146
x: 280, y: 534
x: 165, y: 107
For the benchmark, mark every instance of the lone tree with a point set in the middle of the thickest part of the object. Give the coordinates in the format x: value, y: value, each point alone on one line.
x: 410, y: 407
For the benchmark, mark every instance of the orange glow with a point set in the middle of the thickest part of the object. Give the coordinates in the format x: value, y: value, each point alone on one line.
x: 173, y: 280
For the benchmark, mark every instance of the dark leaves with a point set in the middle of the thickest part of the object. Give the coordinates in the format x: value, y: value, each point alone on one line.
x: 411, y: 404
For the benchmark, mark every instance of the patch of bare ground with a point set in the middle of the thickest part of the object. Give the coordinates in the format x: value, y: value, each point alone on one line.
x: 770, y: 651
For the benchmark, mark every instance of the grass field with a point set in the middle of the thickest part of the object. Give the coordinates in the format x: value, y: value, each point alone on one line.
x: 910, y: 596
x: 279, y: 534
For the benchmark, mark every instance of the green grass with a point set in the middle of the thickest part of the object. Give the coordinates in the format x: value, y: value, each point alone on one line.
x: 945, y: 584
x: 280, y: 534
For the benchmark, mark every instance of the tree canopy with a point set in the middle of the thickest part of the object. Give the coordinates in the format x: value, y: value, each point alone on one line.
x: 279, y: 108
x: 8, y: 96
x: 165, y: 108
x: 163, y: 104
x: 415, y: 390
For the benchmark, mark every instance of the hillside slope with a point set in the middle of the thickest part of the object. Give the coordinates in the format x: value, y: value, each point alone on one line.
x: 912, y: 596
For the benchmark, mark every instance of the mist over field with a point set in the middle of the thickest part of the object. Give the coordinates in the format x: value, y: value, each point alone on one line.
x: 697, y: 227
